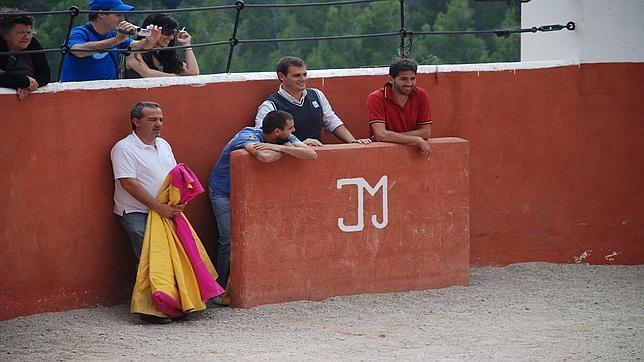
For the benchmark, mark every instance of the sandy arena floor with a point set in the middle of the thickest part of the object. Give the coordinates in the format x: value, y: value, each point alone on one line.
x: 534, y: 311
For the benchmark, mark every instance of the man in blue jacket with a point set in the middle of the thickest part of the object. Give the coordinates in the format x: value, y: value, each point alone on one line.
x: 268, y: 144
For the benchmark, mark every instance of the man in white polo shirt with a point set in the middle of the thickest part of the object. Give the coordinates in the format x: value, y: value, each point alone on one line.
x: 141, y: 161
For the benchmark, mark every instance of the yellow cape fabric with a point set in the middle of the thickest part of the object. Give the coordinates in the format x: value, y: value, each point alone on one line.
x: 164, y: 265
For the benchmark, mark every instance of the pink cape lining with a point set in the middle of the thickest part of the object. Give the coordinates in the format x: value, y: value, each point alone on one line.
x: 183, y: 179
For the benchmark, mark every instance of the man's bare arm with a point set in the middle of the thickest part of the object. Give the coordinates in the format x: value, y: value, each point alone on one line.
x: 134, y: 188
x: 424, y: 132
x: 100, y: 45
x: 344, y: 134
x: 263, y: 154
x: 384, y: 135
x: 121, y: 36
x: 299, y: 150
x: 97, y: 46
x: 268, y: 152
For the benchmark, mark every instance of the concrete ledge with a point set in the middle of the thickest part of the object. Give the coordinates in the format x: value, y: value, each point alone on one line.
x: 298, y: 231
x: 206, y: 79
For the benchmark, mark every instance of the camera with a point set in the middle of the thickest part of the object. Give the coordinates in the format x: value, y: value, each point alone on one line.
x: 137, y: 31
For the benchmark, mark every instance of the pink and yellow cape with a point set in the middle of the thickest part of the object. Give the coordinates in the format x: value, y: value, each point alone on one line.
x: 175, y: 274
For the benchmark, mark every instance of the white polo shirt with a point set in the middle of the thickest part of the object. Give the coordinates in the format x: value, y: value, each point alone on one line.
x: 149, y: 165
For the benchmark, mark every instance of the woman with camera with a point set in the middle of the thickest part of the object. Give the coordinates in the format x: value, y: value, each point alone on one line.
x: 163, y: 63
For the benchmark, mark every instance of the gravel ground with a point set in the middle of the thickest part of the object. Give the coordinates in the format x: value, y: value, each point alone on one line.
x: 532, y: 311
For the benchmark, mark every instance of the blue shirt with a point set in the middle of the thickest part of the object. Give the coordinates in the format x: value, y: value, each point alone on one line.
x: 219, y: 181
x: 98, y: 66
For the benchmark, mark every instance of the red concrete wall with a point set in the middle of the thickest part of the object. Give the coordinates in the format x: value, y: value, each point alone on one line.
x: 556, y: 170
x: 556, y: 161
x: 289, y: 244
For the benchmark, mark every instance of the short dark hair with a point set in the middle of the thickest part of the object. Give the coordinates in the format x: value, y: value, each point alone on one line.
x: 402, y: 65
x: 137, y: 110
x: 275, y: 119
x: 284, y: 63
x: 8, y: 20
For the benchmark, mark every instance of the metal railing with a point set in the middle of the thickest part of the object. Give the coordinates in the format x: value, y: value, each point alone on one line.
x: 406, y: 35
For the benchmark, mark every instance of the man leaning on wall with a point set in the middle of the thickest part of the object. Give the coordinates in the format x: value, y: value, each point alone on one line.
x: 399, y: 112
x: 309, y: 106
x: 269, y: 143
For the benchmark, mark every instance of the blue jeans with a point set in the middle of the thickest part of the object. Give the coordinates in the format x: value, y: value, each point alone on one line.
x: 221, y: 209
x: 134, y: 225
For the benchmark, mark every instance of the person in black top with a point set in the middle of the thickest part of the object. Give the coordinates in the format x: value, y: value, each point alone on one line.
x: 23, y: 72
x: 163, y: 63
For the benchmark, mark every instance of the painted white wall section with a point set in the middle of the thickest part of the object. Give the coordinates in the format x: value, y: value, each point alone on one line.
x: 613, y: 31
x: 563, y: 44
x: 607, y: 31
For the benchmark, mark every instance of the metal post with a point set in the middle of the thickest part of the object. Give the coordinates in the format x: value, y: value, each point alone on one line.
x: 403, y: 31
x: 64, y: 49
x: 233, y: 39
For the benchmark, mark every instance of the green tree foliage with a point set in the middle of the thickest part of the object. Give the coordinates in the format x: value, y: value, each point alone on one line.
x: 314, y: 21
x: 208, y: 26
x: 507, y: 49
x: 381, y: 17
x: 457, y: 48
x: 333, y: 54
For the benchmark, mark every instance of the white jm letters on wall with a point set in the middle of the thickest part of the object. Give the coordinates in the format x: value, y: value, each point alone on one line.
x: 362, y: 185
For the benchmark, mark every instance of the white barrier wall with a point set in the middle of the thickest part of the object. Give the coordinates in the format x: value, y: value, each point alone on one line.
x: 607, y: 31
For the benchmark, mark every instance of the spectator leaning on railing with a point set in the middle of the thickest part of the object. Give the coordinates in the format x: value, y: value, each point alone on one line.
x: 163, y: 63
x: 23, y: 72
x: 103, y: 31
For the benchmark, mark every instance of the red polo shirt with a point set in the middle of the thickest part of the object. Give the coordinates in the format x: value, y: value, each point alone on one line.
x: 382, y: 109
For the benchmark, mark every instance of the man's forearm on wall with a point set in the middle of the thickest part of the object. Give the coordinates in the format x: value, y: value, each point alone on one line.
x: 300, y: 151
x: 423, y: 132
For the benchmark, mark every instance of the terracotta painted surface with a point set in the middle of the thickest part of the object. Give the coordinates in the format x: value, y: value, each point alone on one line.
x: 289, y: 244
x: 555, y: 168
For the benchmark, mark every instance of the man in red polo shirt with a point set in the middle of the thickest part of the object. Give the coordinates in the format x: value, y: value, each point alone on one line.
x: 400, y: 112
